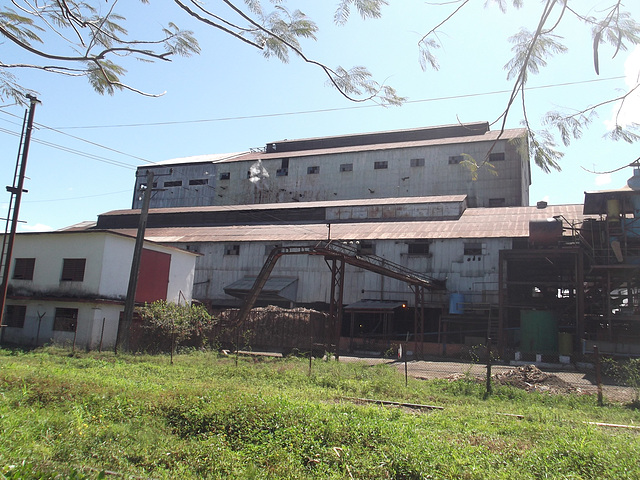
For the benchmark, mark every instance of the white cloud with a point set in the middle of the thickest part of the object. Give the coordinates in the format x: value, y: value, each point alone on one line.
x: 38, y: 227
x: 630, y: 112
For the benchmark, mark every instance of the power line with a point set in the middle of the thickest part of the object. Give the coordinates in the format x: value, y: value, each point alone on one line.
x: 326, y: 110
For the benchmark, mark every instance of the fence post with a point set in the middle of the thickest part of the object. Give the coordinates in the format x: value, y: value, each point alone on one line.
x: 488, y: 366
x: 406, y: 368
x: 598, y: 374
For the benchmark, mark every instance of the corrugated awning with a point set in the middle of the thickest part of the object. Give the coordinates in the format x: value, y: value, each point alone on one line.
x: 276, y: 288
x: 374, y: 306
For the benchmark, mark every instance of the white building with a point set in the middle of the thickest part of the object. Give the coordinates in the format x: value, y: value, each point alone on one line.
x: 69, y: 287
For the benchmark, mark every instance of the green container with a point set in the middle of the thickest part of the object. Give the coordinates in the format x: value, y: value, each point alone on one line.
x: 538, y: 332
x: 565, y: 344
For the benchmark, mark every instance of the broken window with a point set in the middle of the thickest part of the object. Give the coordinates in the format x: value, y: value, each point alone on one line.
x: 313, y: 170
x: 199, y: 181
x: 419, y: 247
x: 66, y: 319
x: 346, y: 167
x: 173, y: 183
x: 73, y: 269
x: 233, y: 249
x: 283, y: 171
x: 417, y: 162
x: 455, y: 159
x: 225, y: 175
x: 473, y: 249
x: 23, y: 268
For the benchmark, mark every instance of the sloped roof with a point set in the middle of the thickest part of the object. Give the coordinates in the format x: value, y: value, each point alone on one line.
x: 502, y: 222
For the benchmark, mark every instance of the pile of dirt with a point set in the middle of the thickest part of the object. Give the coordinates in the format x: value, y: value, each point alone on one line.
x: 532, y: 379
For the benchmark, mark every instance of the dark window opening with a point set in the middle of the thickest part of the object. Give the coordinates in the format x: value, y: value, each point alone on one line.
x: 66, y: 319
x: 417, y: 162
x: 225, y: 175
x: 199, y: 181
x: 366, y: 248
x: 455, y: 159
x: 313, y: 170
x: 496, y: 157
x: 173, y: 183
x: 473, y: 248
x: 346, y: 167
x: 14, y: 316
x: 419, y: 248
x: 380, y: 165
x: 23, y: 268
x: 232, y: 249
x: 73, y: 269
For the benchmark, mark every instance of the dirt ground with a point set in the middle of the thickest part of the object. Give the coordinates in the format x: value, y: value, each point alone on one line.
x: 527, y: 377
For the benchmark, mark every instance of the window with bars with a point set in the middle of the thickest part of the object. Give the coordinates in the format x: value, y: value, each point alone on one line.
x: 14, y: 316
x: 73, y: 269
x: 65, y: 320
x: 23, y: 268
x: 381, y: 165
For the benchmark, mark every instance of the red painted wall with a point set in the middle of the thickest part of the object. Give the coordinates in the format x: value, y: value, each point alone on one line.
x: 153, y: 279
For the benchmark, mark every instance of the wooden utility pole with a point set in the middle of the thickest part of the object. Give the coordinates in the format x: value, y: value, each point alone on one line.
x: 16, y: 191
x: 124, y: 329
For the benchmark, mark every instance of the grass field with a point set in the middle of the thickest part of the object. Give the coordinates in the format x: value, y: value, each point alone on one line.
x: 101, y: 416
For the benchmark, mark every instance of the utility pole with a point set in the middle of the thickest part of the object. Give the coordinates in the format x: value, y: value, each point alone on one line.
x: 16, y: 191
x: 124, y: 329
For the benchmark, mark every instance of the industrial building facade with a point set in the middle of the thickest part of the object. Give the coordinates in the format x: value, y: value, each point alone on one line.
x: 401, y: 239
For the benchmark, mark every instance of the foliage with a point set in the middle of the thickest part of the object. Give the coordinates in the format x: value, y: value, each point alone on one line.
x: 83, y: 38
x: 626, y: 372
x: 173, y: 323
x: 611, y: 26
x: 136, y: 417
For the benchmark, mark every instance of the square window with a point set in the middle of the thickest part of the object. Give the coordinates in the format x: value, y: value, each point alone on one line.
x: 366, y: 248
x: 419, y: 248
x: 455, y: 159
x: 173, y: 183
x: 73, y: 269
x: 496, y: 157
x: 23, y: 268
x: 14, y: 316
x: 66, y: 319
x: 313, y: 170
x: 380, y: 165
x: 417, y: 162
x: 225, y: 175
x: 346, y: 167
x: 232, y: 249
x: 199, y: 181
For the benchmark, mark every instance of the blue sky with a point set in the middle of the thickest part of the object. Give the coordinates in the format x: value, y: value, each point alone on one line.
x: 228, y: 99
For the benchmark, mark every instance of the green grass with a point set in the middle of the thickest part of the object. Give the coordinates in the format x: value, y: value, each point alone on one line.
x: 64, y: 416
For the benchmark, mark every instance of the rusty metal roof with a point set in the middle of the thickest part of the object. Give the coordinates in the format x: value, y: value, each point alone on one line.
x: 296, y: 205
x: 502, y: 222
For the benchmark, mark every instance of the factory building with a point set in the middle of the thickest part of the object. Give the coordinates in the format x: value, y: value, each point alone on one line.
x: 401, y: 238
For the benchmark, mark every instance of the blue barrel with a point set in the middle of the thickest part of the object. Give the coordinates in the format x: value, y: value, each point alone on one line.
x: 456, y: 304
